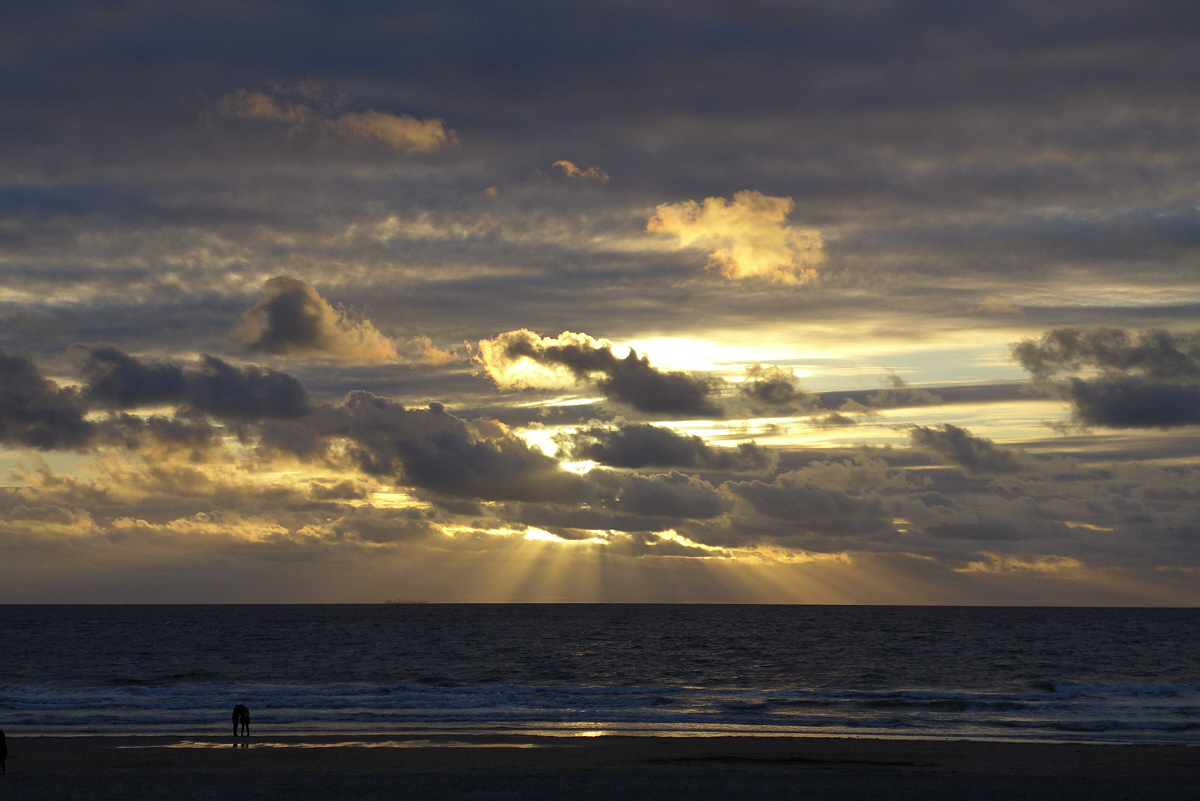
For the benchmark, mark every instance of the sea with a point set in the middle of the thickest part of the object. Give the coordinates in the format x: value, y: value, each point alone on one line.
x: 416, y: 669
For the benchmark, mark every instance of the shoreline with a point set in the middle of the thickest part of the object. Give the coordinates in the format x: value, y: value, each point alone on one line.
x: 509, y: 766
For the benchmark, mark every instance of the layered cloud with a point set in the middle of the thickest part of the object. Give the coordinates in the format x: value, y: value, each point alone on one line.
x: 525, y: 359
x: 1149, y: 379
x: 1000, y: 181
x: 399, y: 132
x: 747, y: 237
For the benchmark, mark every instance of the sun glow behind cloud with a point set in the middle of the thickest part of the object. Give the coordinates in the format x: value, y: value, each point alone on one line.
x: 754, y: 343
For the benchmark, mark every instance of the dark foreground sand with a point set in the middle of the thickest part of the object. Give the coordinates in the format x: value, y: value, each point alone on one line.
x: 581, y: 769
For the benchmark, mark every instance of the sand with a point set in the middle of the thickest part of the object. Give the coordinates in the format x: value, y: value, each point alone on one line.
x: 585, y: 768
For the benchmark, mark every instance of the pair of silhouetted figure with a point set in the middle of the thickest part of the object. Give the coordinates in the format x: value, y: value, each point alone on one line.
x: 241, y: 717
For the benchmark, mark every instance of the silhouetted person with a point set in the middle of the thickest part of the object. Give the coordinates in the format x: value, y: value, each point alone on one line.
x: 241, y: 717
x: 3, y: 754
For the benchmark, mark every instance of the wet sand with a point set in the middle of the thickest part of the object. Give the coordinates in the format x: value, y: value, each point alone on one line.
x: 581, y: 769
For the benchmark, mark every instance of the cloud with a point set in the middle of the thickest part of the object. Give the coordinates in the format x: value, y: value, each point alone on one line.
x: 749, y: 236
x: 976, y: 454
x: 292, y: 317
x: 998, y: 305
x: 1146, y: 380
x: 637, y: 445
x: 775, y: 386
x: 508, y: 358
x: 806, y: 508
x: 434, y: 450
x: 673, y: 495
x: 37, y: 413
x: 571, y: 171
x: 1156, y: 353
x: 834, y: 420
x: 116, y: 380
x: 259, y: 106
x: 1133, y: 402
x: 399, y: 132
x: 897, y: 394
x: 162, y: 433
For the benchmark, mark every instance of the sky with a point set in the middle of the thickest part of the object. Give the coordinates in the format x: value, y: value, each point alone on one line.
x: 659, y: 301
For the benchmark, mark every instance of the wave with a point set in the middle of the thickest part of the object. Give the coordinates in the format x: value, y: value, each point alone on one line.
x: 1132, y: 713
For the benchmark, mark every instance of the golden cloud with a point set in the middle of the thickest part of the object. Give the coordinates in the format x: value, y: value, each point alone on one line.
x: 571, y: 171
x: 259, y: 106
x: 749, y: 237
x: 400, y: 132
x: 511, y: 369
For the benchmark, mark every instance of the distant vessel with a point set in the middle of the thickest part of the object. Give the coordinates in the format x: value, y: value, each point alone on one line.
x: 403, y: 601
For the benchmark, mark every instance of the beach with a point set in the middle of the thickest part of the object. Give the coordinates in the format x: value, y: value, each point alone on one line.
x: 131, y: 768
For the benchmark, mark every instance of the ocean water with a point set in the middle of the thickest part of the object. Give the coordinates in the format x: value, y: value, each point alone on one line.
x: 1096, y: 675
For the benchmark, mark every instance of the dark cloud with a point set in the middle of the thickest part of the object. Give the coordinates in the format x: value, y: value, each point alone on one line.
x: 374, y: 525
x: 775, y: 386
x: 576, y: 522
x: 37, y: 413
x: 644, y: 445
x: 992, y: 529
x: 116, y: 380
x: 292, y: 317
x: 135, y: 432
x: 434, y: 450
x: 630, y: 380
x: 976, y: 454
x: 674, y: 495
x: 898, y: 394
x: 244, y: 394
x: 289, y: 316
x: 834, y: 420
x: 1146, y: 380
x: 1133, y: 402
x: 298, y: 437
x: 860, y: 401
x: 813, y: 509
x: 1156, y: 353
